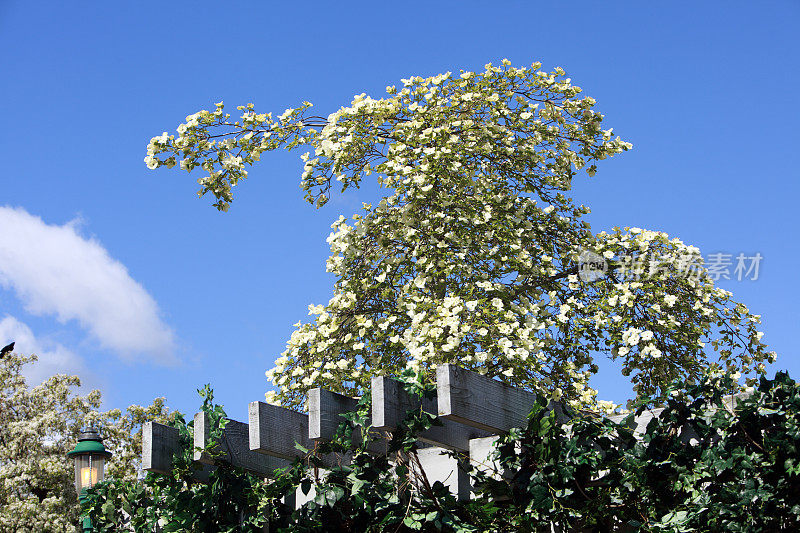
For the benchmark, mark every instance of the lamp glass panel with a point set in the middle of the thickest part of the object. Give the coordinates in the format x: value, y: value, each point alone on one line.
x: 89, y: 469
x: 81, y: 466
x: 98, y: 463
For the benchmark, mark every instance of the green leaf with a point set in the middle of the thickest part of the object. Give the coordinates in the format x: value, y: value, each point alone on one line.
x: 302, y: 449
x: 412, y: 523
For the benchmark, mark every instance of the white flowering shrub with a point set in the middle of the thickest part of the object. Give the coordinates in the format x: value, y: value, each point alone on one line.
x: 38, y: 426
x: 472, y: 256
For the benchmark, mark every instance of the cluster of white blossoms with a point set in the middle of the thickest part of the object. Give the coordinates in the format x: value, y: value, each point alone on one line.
x: 471, y: 257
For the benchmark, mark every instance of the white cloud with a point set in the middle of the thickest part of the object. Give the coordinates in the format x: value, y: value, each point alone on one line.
x: 55, y: 270
x: 53, y: 357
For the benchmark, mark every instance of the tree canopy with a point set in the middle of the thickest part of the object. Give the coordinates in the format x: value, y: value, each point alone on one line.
x: 38, y: 426
x: 473, y: 255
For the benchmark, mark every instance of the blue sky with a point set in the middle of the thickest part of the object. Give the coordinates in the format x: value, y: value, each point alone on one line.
x: 124, y: 276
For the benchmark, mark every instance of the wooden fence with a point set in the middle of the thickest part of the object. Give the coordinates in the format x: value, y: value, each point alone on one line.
x: 474, y: 409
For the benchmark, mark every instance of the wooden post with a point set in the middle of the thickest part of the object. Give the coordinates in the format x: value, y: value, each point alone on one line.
x: 234, y: 448
x: 390, y: 402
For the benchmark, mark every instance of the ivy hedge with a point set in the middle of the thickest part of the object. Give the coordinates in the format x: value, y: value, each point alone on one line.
x: 700, y: 466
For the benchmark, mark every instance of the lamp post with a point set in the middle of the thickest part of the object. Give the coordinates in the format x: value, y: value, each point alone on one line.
x: 90, y: 457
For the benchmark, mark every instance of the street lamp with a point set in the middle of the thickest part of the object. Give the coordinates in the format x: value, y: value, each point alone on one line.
x: 90, y: 457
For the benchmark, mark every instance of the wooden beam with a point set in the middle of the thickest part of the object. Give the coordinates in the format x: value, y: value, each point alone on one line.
x: 390, y: 403
x: 639, y: 423
x: 300, y: 498
x: 480, y: 401
x: 480, y: 455
x: 159, y: 444
x: 275, y: 430
x: 234, y: 449
x: 448, y: 470
x: 324, y: 412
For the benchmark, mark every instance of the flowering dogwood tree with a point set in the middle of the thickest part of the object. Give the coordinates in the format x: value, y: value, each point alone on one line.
x: 38, y: 426
x: 472, y: 257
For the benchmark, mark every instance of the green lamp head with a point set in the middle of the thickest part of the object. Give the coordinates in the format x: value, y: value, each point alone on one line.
x: 89, y: 456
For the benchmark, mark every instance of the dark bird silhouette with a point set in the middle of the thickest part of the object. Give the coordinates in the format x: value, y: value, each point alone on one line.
x: 6, y: 349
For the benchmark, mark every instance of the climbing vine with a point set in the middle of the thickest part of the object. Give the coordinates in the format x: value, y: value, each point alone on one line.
x: 706, y: 463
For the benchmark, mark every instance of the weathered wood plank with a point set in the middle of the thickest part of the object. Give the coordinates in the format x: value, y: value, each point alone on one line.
x: 480, y: 401
x: 448, y: 470
x: 480, y: 455
x: 276, y: 430
x: 639, y: 424
x: 324, y: 412
x: 300, y: 498
x: 234, y: 449
x: 159, y: 444
x: 390, y: 403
